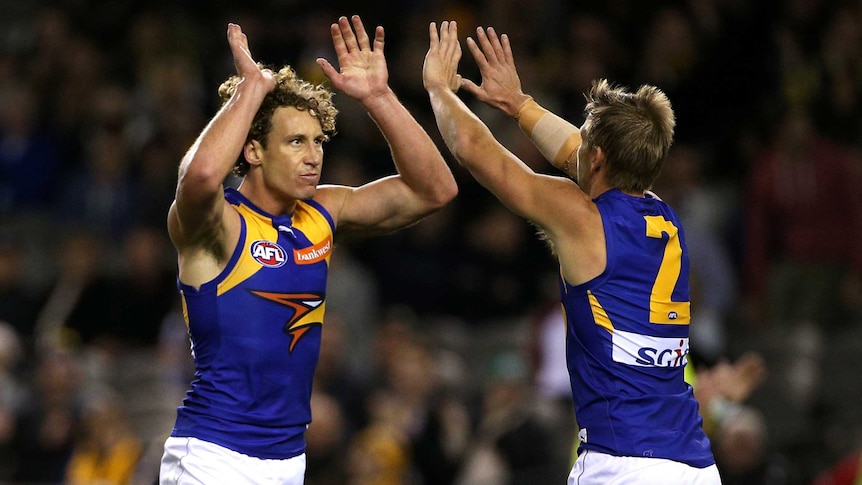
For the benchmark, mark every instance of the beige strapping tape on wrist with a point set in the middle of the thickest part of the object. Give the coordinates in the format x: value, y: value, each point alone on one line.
x: 556, y: 138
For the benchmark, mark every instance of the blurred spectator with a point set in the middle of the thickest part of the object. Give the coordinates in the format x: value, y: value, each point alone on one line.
x: 495, y: 272
x: 437, y: 423
x: 379, y: 454
x: 125, y: 310
x: 103, y: 197
x: 413, y: 405
x: 106, y: 450
x: 738, y: 430
x: 841, y: 54
x: 78, y: 259
x: 335, y: 379
x: 743, y: 452
x: 326, y: 441
x: 513, y: 444
x: 11, y: 396
x: 847, y: 471
x: 798, y: 281
x: 18, y: 304
x: 550, y: 377
x: 48, y: 419
x: 414, y: 267
x: 725, y: 385
x: 28, y: 152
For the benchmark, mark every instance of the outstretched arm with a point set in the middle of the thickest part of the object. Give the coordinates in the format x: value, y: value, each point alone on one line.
x: 196, y: 219
x: 556, y: 138
x: 424, y: 182
x: 471, y: 142
x: 556, y: 204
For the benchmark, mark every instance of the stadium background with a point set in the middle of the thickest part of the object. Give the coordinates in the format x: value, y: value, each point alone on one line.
x: 448, y: 325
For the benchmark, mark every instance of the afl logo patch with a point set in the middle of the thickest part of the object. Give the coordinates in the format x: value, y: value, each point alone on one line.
x: 268, y: 253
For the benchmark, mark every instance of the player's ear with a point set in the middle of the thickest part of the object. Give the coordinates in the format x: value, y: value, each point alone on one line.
x: 252, y: 151
x: 598, y: 160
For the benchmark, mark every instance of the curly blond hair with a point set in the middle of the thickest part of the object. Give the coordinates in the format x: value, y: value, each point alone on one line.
x: 290, y: 90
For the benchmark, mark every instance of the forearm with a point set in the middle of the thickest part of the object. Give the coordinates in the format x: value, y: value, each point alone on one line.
x: 556, y: 138
x: 459, y: 127
x: 214, y: 153
x: 418, y: 161
x: 469, y: 140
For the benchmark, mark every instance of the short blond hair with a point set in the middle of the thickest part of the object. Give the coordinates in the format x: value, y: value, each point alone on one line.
x: 635, y: 130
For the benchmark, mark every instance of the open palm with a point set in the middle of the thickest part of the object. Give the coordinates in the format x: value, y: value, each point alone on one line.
x: 363, y: 73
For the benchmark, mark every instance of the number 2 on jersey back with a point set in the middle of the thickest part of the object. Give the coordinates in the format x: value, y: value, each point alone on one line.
x: 662, y: 309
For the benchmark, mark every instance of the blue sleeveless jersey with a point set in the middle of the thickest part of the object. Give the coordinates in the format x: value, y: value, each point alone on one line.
x: 255, y: 332
x: 627, y: 339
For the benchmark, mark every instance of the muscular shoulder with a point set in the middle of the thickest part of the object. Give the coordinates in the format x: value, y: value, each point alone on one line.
x: 333, y: 198
x: 577, y: 237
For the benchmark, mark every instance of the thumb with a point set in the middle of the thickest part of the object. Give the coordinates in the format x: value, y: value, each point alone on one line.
x: 471, y: 87
x: 327, y: 68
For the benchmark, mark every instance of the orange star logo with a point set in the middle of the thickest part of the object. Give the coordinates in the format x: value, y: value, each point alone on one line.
x: 303, y: 304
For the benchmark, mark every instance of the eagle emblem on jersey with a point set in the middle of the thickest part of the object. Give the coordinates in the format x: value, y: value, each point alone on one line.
x: 303, y: 305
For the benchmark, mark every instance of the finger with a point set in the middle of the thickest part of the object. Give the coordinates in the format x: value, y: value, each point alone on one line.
x: 452, y: 32
x: 236, y: 37
x: 337, y: 40
x: 238, y: 42
x: 507, y: 49
x: 328, y: 69
x: 361, y: 35
x: 453, y: 36
x: 452, y: 46
x: 494, y: 40
x: 478, y: 55
x: 347, y: 34
x: 470, y: 87
x: 487, y: 48
x: 434, y: 39
x: 445, y: 38
x: 378, y: 39
x: 232, y: 30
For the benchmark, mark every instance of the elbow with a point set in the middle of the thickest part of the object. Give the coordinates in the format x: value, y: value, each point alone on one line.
x: 446, y: 192
x: 442, y: 191
x: 467, y: 145
x: 460, y: 145
x: 195, y: 172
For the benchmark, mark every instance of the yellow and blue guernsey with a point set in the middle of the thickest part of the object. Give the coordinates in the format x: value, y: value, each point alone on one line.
x: 627, y: 339
x: 255, y: 333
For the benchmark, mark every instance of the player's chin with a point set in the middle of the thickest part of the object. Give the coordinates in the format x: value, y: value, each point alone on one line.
x: 307, y: 193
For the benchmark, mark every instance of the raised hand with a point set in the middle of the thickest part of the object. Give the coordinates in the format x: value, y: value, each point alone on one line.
x: 501, y: 86
x: 441, y: 61
x: 246, y: 67
x: 363, y: 73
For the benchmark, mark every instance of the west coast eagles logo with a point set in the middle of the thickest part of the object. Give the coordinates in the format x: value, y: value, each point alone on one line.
x: 307, y: 312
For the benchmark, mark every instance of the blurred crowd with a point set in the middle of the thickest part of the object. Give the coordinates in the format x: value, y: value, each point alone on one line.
x: 443, y: 355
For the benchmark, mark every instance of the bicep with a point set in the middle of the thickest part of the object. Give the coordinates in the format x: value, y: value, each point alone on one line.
x: 537, y: 197
x: 195, y: 212
x: 378, y: 207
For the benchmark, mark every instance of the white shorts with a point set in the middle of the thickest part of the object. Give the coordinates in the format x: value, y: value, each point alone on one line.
x: 594, y: 468
x: 190, y: 461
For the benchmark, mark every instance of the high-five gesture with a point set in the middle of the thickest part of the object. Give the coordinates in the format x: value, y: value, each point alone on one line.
x: 501, y: 86
x: 246, y: 67
x: 270, y: 130
x: 441, y: 61
x: 363, y: 73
